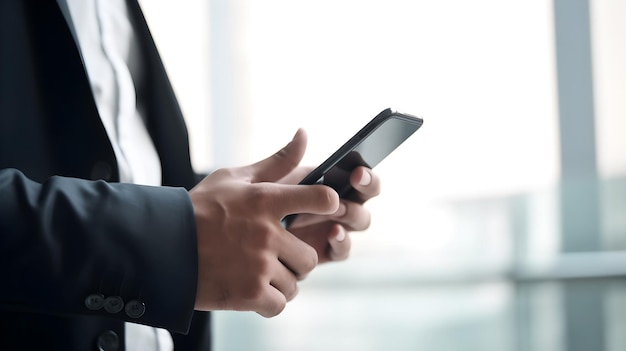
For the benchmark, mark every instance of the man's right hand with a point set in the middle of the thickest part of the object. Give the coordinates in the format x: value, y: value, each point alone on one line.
x: 246, y: 260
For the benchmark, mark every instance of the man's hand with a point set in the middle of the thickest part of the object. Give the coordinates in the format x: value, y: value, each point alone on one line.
x: 246, y: 259
x: 328, y: 234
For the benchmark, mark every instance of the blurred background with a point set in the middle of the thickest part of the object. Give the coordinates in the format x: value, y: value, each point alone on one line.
x: 502, y: 222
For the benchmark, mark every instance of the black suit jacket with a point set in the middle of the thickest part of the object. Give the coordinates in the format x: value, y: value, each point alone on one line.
x: 68, y: 230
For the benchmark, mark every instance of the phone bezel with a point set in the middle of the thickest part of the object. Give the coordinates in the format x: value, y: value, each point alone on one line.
x: 315, y: 175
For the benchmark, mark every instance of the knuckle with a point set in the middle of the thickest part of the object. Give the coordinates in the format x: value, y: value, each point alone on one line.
x: 262, y: 267
x: 265, y: 236
x: 292, y: 291
x: 261, y: 197
x: 253, y: 290
x: 327, y: 195
x: 357, y: 218
x: 310, y: 260
x: 257, y: 196
x: 224, y: 173
x: 275, y: 309
x: 285, y: 155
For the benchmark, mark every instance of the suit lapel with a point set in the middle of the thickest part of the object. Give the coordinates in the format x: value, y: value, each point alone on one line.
x: 65, y: 10
x: 66, y: 93
x: 164, y: 118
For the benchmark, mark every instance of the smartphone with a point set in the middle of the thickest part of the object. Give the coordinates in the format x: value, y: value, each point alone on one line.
x: 368, y: 147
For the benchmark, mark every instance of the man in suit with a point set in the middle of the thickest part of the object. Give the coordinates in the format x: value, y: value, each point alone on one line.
x: 104, y: 225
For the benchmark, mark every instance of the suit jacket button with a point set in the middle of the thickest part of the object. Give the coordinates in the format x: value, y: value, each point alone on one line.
x: 108, y: 341
x: 101, y: 170
x: 94, y: 302
x: 113, y: 304
x: 135, y: 308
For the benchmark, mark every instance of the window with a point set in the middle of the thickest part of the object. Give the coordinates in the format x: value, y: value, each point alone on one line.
x: 468, y: 248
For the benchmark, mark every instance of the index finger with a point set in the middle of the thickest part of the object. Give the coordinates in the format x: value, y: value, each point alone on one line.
x: 295, y: 199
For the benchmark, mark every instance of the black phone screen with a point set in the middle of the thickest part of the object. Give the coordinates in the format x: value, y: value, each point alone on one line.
x: 372, y: 149
x: 366, y: 148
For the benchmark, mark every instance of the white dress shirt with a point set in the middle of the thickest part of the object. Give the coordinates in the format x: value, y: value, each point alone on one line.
x: 110, y: 52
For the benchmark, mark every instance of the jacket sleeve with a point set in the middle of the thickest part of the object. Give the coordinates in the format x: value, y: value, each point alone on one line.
x: 76, y: 247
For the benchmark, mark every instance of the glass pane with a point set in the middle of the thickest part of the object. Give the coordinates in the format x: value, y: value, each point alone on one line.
x: 609, y: 53
x: 464, y: 252
x: 459, y: 198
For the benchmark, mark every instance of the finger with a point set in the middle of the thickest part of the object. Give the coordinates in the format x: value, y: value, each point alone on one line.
x: 296, y: 175
x: 293, y: 199
x: 273, y: 303
x: 281, y: 163
x: 353, y: 216
x: 296, y: 255
x: 366, y: 182
x: 339, y: 243
x: 306, y: 219
x: 285, y: 281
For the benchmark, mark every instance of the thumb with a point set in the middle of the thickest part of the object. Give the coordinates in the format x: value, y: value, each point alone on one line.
x: 281, y: 163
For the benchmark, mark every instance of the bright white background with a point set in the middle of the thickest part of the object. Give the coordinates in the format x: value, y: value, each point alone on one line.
x: 481, y: 74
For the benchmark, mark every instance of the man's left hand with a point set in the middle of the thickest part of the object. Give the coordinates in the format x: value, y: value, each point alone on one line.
x: 329, y: 234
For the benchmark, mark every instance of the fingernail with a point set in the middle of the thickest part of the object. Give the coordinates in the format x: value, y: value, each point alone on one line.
x: 342, y: 235
x: 366, y: 179
x: 341, y: 211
